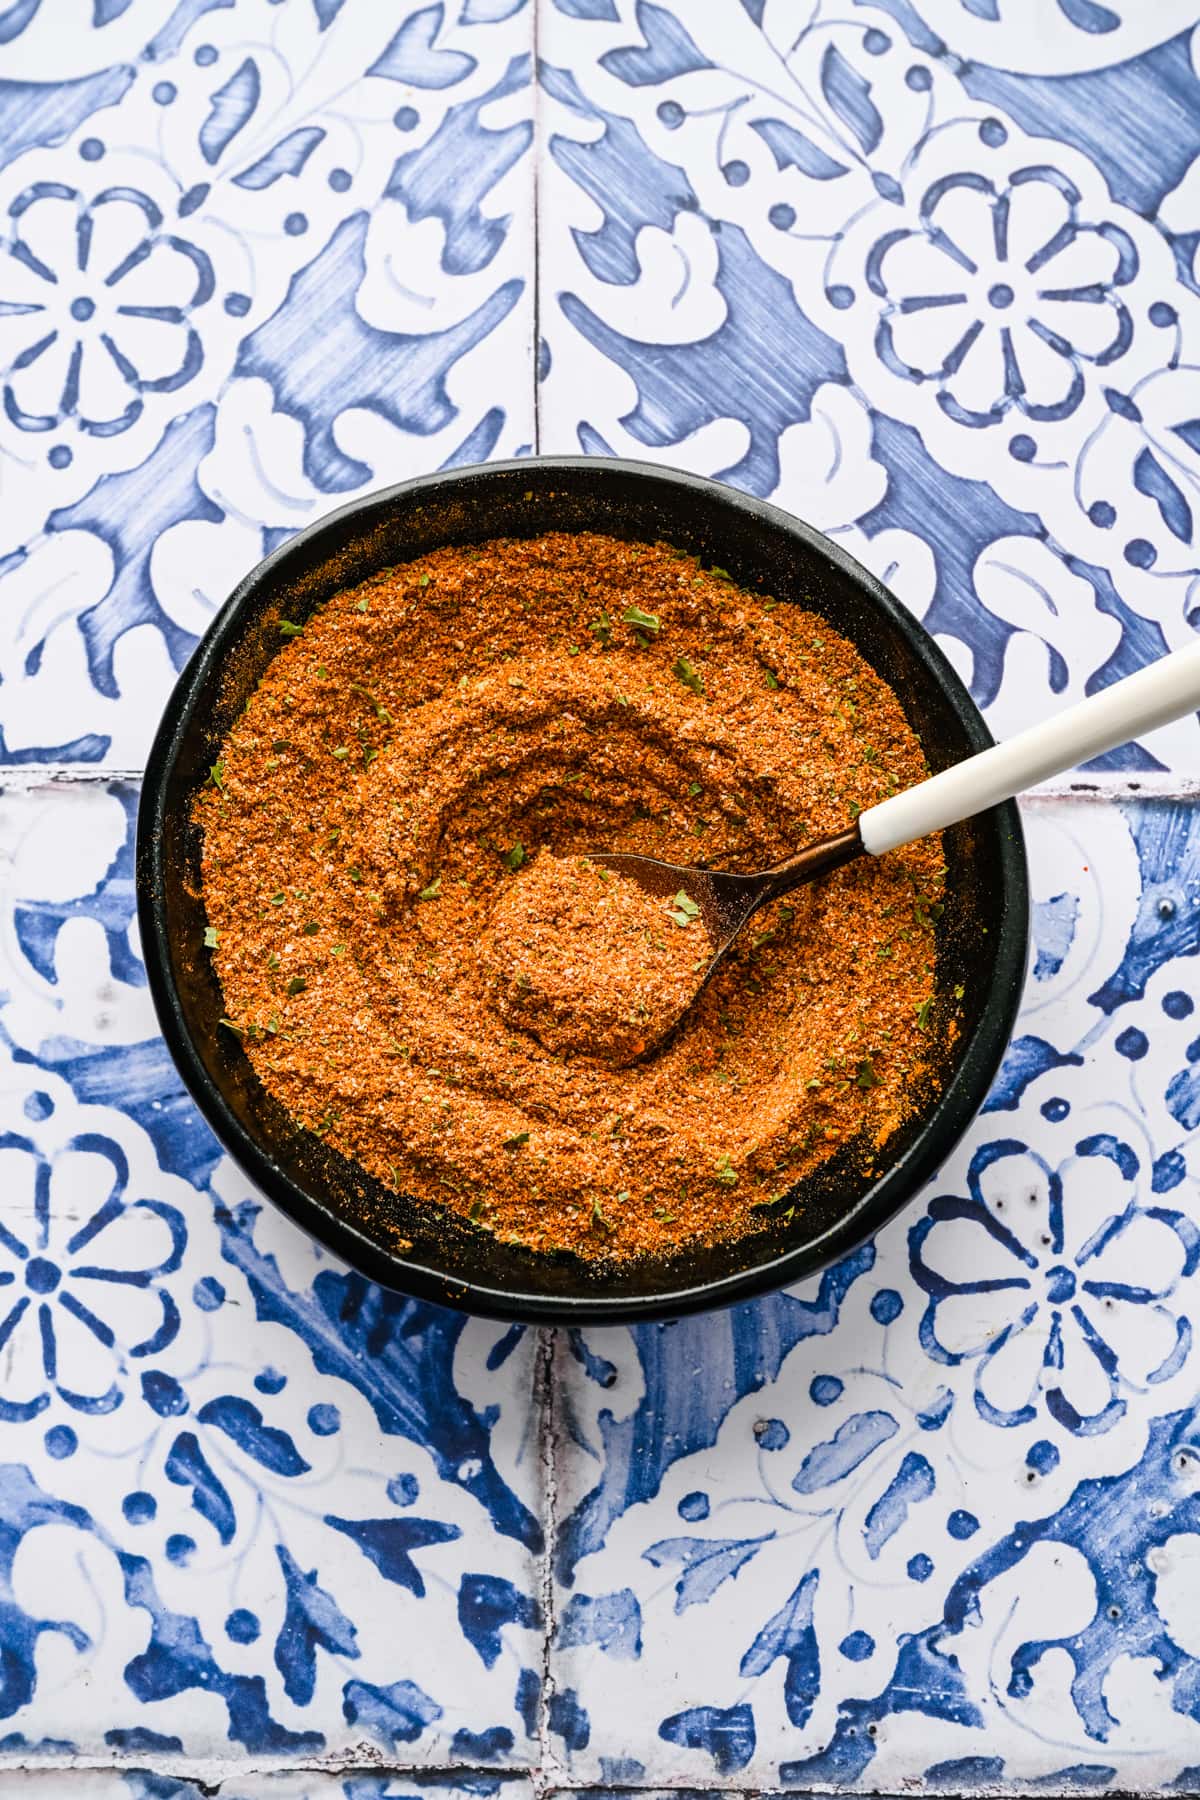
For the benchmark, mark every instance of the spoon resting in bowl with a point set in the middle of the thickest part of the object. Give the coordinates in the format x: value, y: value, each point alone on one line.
x: 723, y: 902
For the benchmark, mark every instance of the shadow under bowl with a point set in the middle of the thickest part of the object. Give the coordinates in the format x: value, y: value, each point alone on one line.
x: 982, y: 938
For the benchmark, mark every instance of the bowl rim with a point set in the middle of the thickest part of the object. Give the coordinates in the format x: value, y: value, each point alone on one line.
x: 958, y: 1103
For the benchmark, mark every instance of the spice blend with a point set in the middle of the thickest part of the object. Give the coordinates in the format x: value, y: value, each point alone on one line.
x: 386, y: 838
x: 589, y: 963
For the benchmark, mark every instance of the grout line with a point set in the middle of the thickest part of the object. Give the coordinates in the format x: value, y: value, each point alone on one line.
x: 1165, y: 784
x: 212, y: 1779
x: 21, y: 778
x: 211, y: 1774
x: 1155, y: 784
x: 549, y: 1775
x: 537, y: 230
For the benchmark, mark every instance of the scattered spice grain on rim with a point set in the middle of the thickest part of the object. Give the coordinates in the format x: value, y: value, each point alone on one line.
x: 421, y: 762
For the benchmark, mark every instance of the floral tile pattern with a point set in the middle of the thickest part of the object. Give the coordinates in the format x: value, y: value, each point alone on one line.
x: 255, y: 259
x: 858, y: 259
x: 248, y: 1503
x: 936, y: 1512
x: 925, y: 272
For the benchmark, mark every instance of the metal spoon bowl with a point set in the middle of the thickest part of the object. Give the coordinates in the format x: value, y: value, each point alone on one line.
x: 726, y: 901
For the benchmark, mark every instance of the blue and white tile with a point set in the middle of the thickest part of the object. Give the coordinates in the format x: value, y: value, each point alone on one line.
x: 1064, y: 38
x: 746, y: 213
x: 252, y: 1507
x: 146, y: 1784
x: 257, y: 259
x: 934, y: 1516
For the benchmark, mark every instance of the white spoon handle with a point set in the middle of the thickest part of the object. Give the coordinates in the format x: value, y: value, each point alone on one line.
x: 1154, y: 696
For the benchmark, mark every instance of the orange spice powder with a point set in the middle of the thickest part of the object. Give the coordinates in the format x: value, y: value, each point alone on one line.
x: 386, y: 838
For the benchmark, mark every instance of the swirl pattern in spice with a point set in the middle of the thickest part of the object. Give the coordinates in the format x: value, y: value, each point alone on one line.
x: 431, y: 757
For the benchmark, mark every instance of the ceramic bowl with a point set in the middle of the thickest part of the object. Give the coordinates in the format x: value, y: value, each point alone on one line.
x: 982, y: 937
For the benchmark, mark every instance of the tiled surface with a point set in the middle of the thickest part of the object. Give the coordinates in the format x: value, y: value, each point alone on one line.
x: 144, y: 1784
x: 257, y: 259
x: 931, y: 1521
x: 820, y: 251
x: 937, y: 1507
x: 251, y: 1506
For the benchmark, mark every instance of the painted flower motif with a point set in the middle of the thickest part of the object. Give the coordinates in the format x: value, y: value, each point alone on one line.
x: 999, y: 294
x: 81, y: 1296
x: 96, y: 302
x: 1055, y: 1282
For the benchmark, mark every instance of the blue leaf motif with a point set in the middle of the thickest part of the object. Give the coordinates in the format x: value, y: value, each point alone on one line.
x: 139, y: 1740
x: 1054, y: 922
x: 792, y: 150
x: 1189, y: 431
x: 15, y: 18
x: 589, y: 9
x: 613, y: 1621
x: 186, y: 1467
x: 312, y: 1620
x: 481, y: 1746
x: 1183, y: 1098
x: 841, y: 1454
x: 913, y: 1481
x: 396, y: 1715
x: 326, y: 11
x: 229, y: 109
x: 1026, y: 1059
x: 488, y: 12
x: 849, y: 94
x: 707, y: 1563
x: 1151, y: 479
x: 163, y: 1394
x: 287, y: 157
x: 755, y: 8
x: 412, y: 58
x: 727, y: 1733
x: 243, y: 1422
x: 485, y: 1603
x: 790, y: 1632
x: 1088, y: 16
x: 527, y: 1699
x: 668, y: 51
x: 567, y: 1717
x: 387, y: 1542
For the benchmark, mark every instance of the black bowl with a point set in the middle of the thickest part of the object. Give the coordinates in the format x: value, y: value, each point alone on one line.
x: 982, y: 938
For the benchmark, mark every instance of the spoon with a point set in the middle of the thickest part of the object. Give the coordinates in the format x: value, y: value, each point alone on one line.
x: 1154, y: 696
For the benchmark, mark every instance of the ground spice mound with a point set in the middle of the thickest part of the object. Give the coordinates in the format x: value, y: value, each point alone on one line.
x: 588, y: 962
x: 424, y: 736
